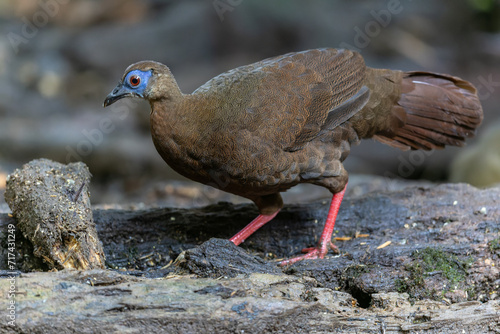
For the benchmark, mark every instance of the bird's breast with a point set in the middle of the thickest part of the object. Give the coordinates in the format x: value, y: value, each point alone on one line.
x: 237, y: 159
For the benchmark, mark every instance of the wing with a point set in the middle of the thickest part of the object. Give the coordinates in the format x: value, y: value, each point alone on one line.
x: 291, y: 99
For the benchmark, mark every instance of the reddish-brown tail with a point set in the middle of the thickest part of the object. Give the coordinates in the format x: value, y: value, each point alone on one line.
x: 433, y: 110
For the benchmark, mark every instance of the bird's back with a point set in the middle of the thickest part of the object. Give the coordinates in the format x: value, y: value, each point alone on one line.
x: 287, y: 99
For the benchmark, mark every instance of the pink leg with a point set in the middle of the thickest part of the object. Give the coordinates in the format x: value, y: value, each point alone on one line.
x: 325, y: 240
x: 254, y: 225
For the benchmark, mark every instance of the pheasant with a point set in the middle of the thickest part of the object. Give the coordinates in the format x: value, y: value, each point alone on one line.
x: 260, y: 129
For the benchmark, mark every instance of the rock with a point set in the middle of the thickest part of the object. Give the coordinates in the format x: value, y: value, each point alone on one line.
x: 389, y: 301
x: 51, y: 205
x: 221, y: 258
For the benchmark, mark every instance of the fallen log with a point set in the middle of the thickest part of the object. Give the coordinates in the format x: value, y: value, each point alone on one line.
x: 439, y: 273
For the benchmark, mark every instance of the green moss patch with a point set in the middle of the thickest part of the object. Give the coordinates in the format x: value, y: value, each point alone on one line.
x: 494, y: 245
x: 431, y: 263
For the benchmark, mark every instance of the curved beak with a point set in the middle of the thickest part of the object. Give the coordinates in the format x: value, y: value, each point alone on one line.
x: 118, y: 93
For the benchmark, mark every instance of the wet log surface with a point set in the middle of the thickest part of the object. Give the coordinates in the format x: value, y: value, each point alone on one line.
x: 440, y: 272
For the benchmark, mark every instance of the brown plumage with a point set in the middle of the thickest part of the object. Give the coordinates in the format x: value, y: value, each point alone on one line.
x: 260, y: 129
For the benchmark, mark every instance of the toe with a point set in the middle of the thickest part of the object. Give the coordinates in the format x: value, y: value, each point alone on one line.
x: 314, y: 253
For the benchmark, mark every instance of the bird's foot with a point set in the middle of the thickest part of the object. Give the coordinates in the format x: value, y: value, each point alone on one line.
x: 330, y: 244
x: 318, y: 252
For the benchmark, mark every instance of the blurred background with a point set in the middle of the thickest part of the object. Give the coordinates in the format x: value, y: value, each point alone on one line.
x: 59, y: 59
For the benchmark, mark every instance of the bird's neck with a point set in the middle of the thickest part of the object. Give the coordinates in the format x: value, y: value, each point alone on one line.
x: 169, y: 117
x: 164, y: 88
x: 173, y: 122
x: 183, y: 115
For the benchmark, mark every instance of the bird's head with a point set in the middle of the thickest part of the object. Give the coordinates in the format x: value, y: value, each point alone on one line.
x: 148, y: 80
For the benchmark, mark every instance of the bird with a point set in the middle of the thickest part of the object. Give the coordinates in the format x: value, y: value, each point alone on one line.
x: 260, y: 129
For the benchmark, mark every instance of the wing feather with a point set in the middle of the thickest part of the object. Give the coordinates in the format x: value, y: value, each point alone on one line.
x: 291, y: 99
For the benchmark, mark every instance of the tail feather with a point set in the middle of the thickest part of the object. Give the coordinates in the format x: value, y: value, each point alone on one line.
x: 438, y: 110
x: 423, y: 133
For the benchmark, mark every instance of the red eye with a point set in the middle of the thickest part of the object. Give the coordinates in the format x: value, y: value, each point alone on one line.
x: 134, y: 80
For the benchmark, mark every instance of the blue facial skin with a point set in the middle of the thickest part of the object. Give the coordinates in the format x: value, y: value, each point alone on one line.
x: 134, y: 84
x: 139, y: 89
